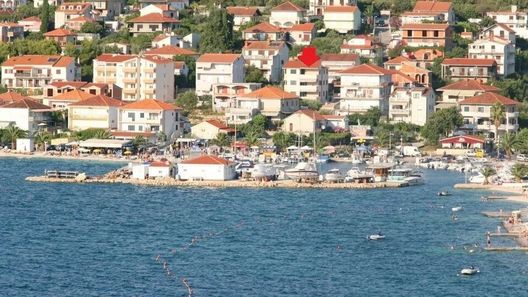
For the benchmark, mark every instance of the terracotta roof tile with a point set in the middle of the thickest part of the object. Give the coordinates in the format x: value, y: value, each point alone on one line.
x: 11, y: 96
x: 341, y: 9
x: 397, y: 61
x: 207, y: 160
x: 31, y: 19
x: 242, y: 10
x: 489, y: 98
x: 59, y: 33
x: 114, y: 58
x: 74, y: 95
x: 287, y: 6
x: 425, y: 26
x: 298, y: 64
x: 367, y: 69
x: 27, y: 104
x: 218, y: 124
x: 432, y: 6
x: 264, y: 45
x: 433, y: 53
x: 263, y: 27
x: 53, y: 60
x: 153, y: 18
x: 302, y: 27
x: 218, y: 58
x: 82, y: 19
x: 62, y: 84
x: 150, y: 104
x: 408, y: 68
x: 469, y: 62
x: 171, y: 50
x: 313, y: 114
x: 99, y: 100
x: 269, y: 93
x: 469, y: 85
x: 339, y: 57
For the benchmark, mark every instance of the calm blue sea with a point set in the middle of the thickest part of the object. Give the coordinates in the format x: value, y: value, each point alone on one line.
x: 103, y: 240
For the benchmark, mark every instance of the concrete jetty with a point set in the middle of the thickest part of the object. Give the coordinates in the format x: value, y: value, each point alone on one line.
x: 470, y: 186
x: 170, y: 182
x: 497, y: 214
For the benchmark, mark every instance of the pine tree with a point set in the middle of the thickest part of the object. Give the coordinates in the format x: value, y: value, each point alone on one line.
x: 44, y: 17
x: 218, y: 32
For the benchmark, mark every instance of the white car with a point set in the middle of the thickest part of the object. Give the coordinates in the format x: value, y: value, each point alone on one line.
x: 522, y: 157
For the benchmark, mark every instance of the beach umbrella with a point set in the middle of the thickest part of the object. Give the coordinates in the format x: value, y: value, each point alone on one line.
x: 306, y: 148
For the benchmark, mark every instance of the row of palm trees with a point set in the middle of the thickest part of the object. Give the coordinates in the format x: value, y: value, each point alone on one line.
x: 519, y: 171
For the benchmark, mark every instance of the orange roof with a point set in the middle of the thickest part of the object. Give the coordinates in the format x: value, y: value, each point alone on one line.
x: 242, y: 10
x: 74, y: 95
x: 341, y: 9
x: 218, y: 124
x: 313, y: 114
x: 10, y: 24
x: 469, y: 85
x: 157, y: 59
x: 81, y: 18
x: 432, y: 6
x: 264, y: 45
x: 99, y: 100
x: 162, y: 6
x: 207, y: 160
x: 27, y: 104
x: 160, y: 164
x: 11, y: 96
x: 399, y: 77
x: 114, y: 58
x: 263, y: 27
x: 270, y: 93
x: 339, y: 57
x: 408, y: 68
x: 59, y: 33
x: 366, y: 69
x: 31, y: 19
x: 53, y: 60
x: 302, y: 27
x: 397, y: 61
x: 153, y: 18
x: 62, y: 84
x: 469, y: 62
x: 171, y: 50
x: 64, y: 7
x: 298, y: 64
x: 419, y: 54
x: 425, y: 26
x: 150, y: 104
x: 287, y: 6
x: 489, y: 99
x: 218, y: 58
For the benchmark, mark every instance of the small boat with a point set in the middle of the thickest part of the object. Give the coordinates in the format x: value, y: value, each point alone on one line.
x: 455, y: 209
x: 376, y: 236
x: 264, y: 172
x: 302, y: 171
x: 469, y: 271
x: 405, y: 175
x: 444, y: 193
x: 334, y: 176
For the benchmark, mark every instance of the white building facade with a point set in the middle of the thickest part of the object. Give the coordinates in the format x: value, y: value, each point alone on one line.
x: 218, y: 68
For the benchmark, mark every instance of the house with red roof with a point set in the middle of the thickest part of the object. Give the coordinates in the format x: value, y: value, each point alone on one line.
x: 463, y: 142
x: 210, y: 129
x: 206, y: 167
x: 243, y: 15
x: 76, y: 24
x: 287, y: 14
x: 224, y: 95
x: 309, y: 82
x: 268, y: 56
x: 262, y: 32
x: 70, y: 10
x: 469, y: 69
x: 424, y: 57
x: 61, y: 101
x: 169, y: 51
x: 301, y: 34
x: 26, y: 114
x: 429, y: 7
x: 173, y: 4
x: 33, y: 72
x: 61, y: 36
x: 163, y: 9
x: 152, y: 22
x: 477, y: 113
x: 428, y: 34
x: 495, y: 47
x: 10, y: 97
x: 513, y: 18
x: 364, y: 46
x: 307, y: 121
x: 499, y: 30
x: 94, y: 112
x: 409, y: 68
x: 363, y: 87
x: 31, y: 24
x: 60, y: 87
x: 455, y: 92
x: 272, y: 102
x: 337, y: 63
x: 342, y: 18
x: 218, y: 68
x: 138, y: 76
x: 149, y: 116
x: 10, y: 31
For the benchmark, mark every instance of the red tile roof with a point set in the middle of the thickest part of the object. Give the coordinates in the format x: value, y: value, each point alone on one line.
x: 11, y: 96
x: 150, y: 104
x: 59, y: 33
x: 433, y: 53
x: 313, y: 114
x: 263, y: 27
x: 114, y: 58
x: 82, y: 19
x: 463, y: 139
x: 27, y: 104
x: 171, y: 50
x: 74, y: 95
x: 489, y: 98
x: 218, y: 124
x: 341, y: 9
x: 298, y: 64
x: 307, y: 27
x: 218, y: 58
x: 425, y: 26
x: 469, y: 85
x: 99, y: 100
x: 408, y: 68
x: 366, y: 69
x: 270, y: 93
x: 62, y: 84
x: 52, y: 60
x: 397, y: 61
x: 287, y: 6
x: 31, y: 19
x: 153, y: 18
x: 339, y: 57
x: 469, y: 62
x: 432, y: 6
x: 264, y: 45
x: 207, y: 160
x: 160, y: 164
x: 242, y: 11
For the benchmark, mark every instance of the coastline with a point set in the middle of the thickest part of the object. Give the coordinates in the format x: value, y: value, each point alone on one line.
x: 513, y: 193
x: 42, y: 155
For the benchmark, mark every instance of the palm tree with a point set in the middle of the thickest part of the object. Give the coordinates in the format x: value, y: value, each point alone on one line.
x: 507, y: 143
x: 497, y: 115
x: 252, y: 139
x: 12, y: 133
x: 487, y: 172
x: 222, y: 140
x: 41, y: 138
x: 162, y: 137
x: 518, y: 171
x: 382, y: 137
x: 139, y: 141
x: 102, y: 134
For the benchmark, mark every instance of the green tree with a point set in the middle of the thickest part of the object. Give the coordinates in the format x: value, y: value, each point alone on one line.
x: 41, y: 138
x: 252, y: 138
x: 498, y: 113
x: 518, y: 171
x: 311, y: 104
x: 371, y: 117
x: 507, y: 143
x: 254, y: 75
x: 162, y: 137
x: 12, y: 133
x: 382, y: 137
x: 92, y: 27
x: 188, y: 101
x: 521, y: 144
x: 222, y: 140
x: 440, y: 123
x: 282, y: 140
x: 44, y: 17
x: 102, y: 134
x: 487, y: 172
x: 139, y: 141
x: 218, y: 32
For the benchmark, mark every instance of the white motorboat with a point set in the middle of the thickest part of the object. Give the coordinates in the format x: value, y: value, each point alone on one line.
x: 405, y: 175
x: 469, y: 271
x: 334, y: 176
x: 356, y: 174
x: 378, y: 236
x: 302, y: 171
x: 457, y: 208
x: 264, y: 172
x: 444, y: 193
x: 477, y: 179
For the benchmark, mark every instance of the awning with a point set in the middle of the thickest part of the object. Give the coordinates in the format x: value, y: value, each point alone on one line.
x: 104, y: 143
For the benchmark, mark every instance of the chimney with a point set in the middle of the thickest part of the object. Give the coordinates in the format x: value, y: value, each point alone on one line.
x: 514, y: 8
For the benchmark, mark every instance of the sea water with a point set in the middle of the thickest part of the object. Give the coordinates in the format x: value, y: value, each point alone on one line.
x: 113, y: 240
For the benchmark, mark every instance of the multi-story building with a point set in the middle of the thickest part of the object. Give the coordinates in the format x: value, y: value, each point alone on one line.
x: 411, y: 17
x: 464, y: 68
x: 71, y: 10
x: 502, y: 50
x: 301, y: 34
x: 317, y: 7
x: 428, y: 34
x: 77, y: 23
x: 514, y: 19
x: 26, y: 114
x: 271, y: 102
x: 286, y: 15
x: 343, y: 19
x: 337, y: 63
x: 11, y: 5
x: 218, y: 68
x: 407, y: 67
x: 411, y: 103
x: 11, y: 31
x: 243, y: 15
x: 425, y: 57
x: 95, y: 112
x: 436, y: 7
x: 498, y: 30
x: 170, y: 51
x: 62, y: 101
x: 262, y: 32
x: 150, y: 116
x: 33, y: 72
x: 152, y: 22
x: 139, y: 77
x: 61, y: 36
x: 224, y: 95
x: 364, y: 46
x: 309, y: 82
x: 268, y: 56
x: 453, y: 93
x: 108, y: 9
x: 477, y: 113
x: 363, y: 87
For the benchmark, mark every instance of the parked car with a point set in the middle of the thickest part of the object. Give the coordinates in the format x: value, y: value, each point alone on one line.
x: 522, y: 157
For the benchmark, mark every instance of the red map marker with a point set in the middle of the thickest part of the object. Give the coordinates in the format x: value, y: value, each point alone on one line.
x: 309, y: 55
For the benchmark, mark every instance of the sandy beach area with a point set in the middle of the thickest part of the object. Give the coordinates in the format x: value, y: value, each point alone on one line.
x: 511, y: 192
x: 43, y: 155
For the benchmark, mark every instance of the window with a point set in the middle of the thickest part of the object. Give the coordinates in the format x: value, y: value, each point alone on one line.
x: 424, y: 33
x: 141, y: 115
x: 131, y: 128
x: 140, y: 128
x: 436, y: 34
x: 57, y: 71
x: 303, y: 94
x: 409, y: 32
x: 466, y: 108
x: 132, y: 116
x: 480, y: 109
x: 293, y: 82
x: 303, y: 71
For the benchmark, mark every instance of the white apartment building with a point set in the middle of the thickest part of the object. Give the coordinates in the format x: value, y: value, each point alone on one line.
x: 268, y: 56
x: 150, y: 116
x: 411, y: 104
x: 514, y: 19
x: 96, y: 112
x: 343, y: 19
x: 477, y: 114
x: 218, y: 68
x: 317, y: 7
x: 362, y: 45
x: 498, y: 30
x: 108, y: 9
x: 286, y: 15
x: 140, y: 77
x: 363, y: 87
x: 70, y: 10
x: 224, y: 95
x: 33, y: 72
x: 462, y: 89
x: 499, y: 49
x: 309, y: 82
x: 243, y: 15
x: 26, y: 114
x: 337, y: 63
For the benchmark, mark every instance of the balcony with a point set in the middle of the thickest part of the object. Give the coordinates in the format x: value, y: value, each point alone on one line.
x: 308, y: 78
x: 149, y: 91
x: 88, y: 118
x: 130, y: 69
x: 240, y: 111
x: 148, y: 70
x: 129, y: 90
x: 149, y: 80
x: 130, y: 80
x: 404, y: 111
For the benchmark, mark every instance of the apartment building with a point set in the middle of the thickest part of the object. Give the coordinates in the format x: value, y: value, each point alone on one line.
x: 469, y: 69
x: 458, y: 91
x: 218, y: 68
x: 364, y: 46
x: 337, y: 63
x: 444, y: 8
x: 98, y: 111
x: 499, y: 49
x: 477, y: 114
x: 286, y: 15
x: 271, y: 102
x: 309, y: 82
x: 428, y: 34
x: 243, y: 15
x: 61, y: 36
x: 343, y: 19
x: 262, y: 32
x: 33, y: 72
x: 139, y: 77
x: 363, y: 87
x: 108, y: 9
x: 407, y: 67
x: 317, y: 7
x: 224, y: 95
x: 301, y: 34
x: 268, y: 56
x: 152, y: 22
x: 70, y: 10
x: 514, y: 19
x: 411, y: 103
x: 26, y: 114
x: 150, y: 116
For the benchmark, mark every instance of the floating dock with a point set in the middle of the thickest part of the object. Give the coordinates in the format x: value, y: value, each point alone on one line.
x: 506, y: 249
x: 505, y: 234
x: 497, y: 214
